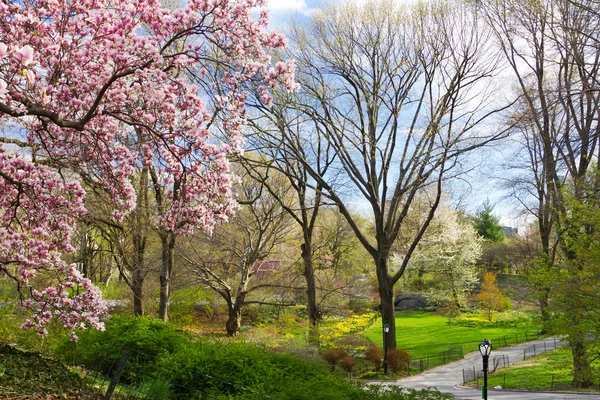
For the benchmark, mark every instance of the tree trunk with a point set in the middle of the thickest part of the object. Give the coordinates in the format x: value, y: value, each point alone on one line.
x: 167, y: 239
x: 582, y: 371
x: 137, y: 285
x: 314, y: 314
x: 235, y: 315
x: 386, y: 295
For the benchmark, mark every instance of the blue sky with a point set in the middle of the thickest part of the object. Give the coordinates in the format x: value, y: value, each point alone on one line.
x: 481, y: 183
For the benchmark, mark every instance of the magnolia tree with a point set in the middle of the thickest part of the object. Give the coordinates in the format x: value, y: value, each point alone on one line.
x: 94, y: 89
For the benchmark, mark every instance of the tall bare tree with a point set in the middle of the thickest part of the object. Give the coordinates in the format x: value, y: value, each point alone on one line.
x: 399, y: 93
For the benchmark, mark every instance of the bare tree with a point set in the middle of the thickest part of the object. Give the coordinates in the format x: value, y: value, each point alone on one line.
x: 276, y: 158
x: 229, y: 260
x: 399, y: 93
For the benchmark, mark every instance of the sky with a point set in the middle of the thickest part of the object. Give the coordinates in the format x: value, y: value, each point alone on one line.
x: 480, y: 185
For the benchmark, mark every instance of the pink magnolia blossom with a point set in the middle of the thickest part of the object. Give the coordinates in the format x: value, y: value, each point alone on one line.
x: 107, y: 96
x: 24, y: 55
x: 3, y: 89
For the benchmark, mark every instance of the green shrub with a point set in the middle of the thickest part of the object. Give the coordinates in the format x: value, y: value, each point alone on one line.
x: 282, y: 376
x: 146, y: 338
x: 155, y: 389
x: 184, y: 302
x: 229, y: 370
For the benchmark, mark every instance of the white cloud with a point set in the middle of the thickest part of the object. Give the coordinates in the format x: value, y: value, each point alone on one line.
x: 297, y: 5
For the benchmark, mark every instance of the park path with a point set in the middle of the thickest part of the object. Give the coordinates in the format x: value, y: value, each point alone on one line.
x: 446, y: 378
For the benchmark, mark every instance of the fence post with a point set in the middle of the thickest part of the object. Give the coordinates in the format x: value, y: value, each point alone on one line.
x: 117, y: 375
x: 524, y: 352
x: 464, y: 377
x: 555, y: 343
x: 534, y: 350
x: 545, y: 351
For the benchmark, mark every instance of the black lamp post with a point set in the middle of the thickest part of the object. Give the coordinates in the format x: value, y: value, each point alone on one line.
x: 386, y: 329
x: 485, y: 348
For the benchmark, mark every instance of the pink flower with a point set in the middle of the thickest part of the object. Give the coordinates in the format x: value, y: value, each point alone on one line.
x: 3, y: 89
x: 25, y: 55
x: 3, y: 50
x: 30, y: 76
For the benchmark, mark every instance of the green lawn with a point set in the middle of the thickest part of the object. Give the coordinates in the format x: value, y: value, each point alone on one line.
x: 550, y: 371
x: 425, y: 334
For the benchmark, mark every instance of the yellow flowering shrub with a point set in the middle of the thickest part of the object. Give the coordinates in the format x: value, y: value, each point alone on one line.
x: 335, y: 328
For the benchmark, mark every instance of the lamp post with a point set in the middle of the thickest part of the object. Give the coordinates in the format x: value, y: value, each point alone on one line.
x: 485, y: 348
x: 386, y: 329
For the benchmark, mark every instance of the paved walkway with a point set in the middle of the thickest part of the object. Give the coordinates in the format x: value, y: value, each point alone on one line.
x: 447, y: 377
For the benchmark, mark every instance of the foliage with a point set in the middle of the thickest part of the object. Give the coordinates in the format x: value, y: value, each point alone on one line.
x: 227, y: 369
x: 13, y: 317
x: 490, y: 296
x: 155, y: 389
x: 574, y: 281
x: 487, y: 224
x: 183, y: 304
x: 505, y: 319
x: 443, y: 264
x: 374, y: 354
x: 332, y: 328
x: 141, y: 334
x: 95, y: 88
x: 30, y: 375
x: 398, y: 359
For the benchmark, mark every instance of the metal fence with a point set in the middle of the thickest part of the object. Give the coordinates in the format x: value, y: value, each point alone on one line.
x: 421, y: 364
x: 128, y: 377
x: 502, y: 361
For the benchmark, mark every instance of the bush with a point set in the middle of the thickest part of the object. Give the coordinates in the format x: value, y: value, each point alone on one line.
x: 347, y: 363
x: 236, y: 366
x: 398, y: 359
x: 146, y: 338
x: 334, y: 355
x: 374, y: 355
x: 190, y: 370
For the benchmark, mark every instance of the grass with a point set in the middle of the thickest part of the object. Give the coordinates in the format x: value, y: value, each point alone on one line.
x: 424, y: 334
x: 551, y: 371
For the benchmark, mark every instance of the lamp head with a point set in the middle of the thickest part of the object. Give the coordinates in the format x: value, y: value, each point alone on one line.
x: 485, y: 348
x: 386, y: 328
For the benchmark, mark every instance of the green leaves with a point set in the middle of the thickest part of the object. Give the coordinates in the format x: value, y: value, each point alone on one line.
x: 488, y: 225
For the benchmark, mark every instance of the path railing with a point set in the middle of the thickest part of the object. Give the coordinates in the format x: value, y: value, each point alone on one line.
x: 502, y: 361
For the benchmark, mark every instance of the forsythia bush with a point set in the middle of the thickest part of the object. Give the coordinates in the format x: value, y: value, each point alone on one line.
x: 347, y: 326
